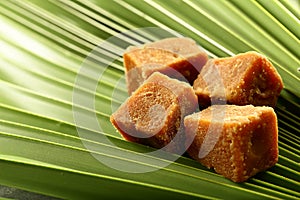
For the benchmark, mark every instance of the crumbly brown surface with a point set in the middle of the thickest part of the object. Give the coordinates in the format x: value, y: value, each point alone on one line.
x: 237, y: 141
x: 178, y: 58
x: 246, y: 144
x: 248, y: 78
x: 154, y: 113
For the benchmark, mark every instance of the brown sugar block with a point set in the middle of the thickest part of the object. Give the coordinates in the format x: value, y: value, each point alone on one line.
x: 248, y: 78
x: 246, y: 144
x: 178, y: 58
x: 154, y: 113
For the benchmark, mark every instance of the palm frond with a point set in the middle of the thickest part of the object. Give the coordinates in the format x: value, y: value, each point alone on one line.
x: 43, y: 45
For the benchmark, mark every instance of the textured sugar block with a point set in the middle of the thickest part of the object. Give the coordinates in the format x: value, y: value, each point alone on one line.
x: 154, y: 113
x: 247, y: 78
x: 238, y: 144
x: 178, y: 58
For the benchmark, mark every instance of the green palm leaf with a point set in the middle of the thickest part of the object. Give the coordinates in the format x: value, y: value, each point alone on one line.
x: 43, y: 45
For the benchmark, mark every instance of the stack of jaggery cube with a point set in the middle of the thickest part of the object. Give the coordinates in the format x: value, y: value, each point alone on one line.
x: 169, y: 80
